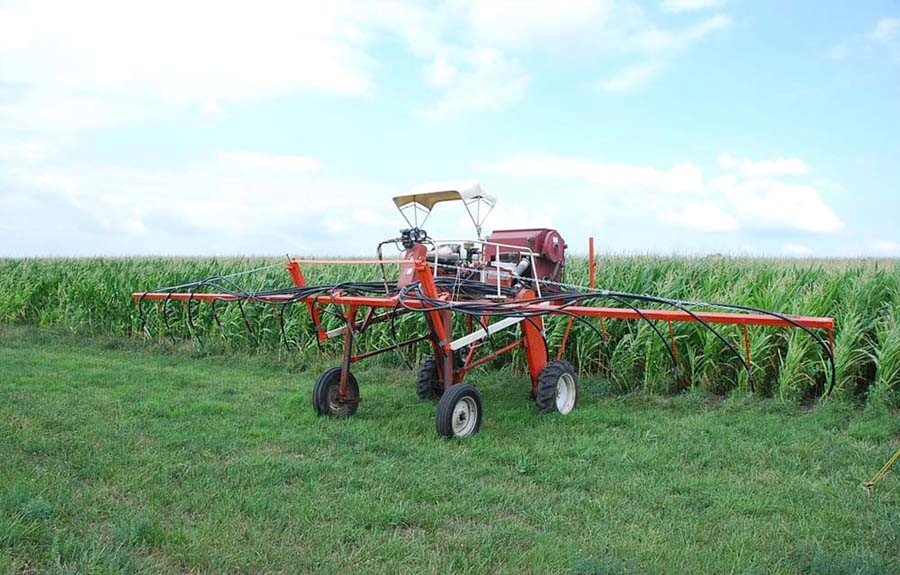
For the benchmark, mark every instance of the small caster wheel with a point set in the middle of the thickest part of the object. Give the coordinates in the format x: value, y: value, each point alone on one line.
x: 428, y: 382
x: 557, y: 388
x: 325, y: 394
x: 459, y: 412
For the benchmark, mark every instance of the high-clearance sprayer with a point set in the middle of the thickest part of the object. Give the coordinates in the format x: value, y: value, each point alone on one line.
x: 510, y: 280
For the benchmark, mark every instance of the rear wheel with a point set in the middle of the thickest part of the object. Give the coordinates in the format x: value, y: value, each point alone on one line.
x: 459, y: 412
x: 428, y: 382
x: 325, y: 396
x: 557, y: 388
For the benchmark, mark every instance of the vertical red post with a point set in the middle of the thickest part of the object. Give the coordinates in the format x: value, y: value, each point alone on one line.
x: 674, y: 345
x: 565, y: 339
x: 350, y: 315
x: 440, y: 323
x: 293, y: 268
x: 747, y: 346
x: 535, y: 344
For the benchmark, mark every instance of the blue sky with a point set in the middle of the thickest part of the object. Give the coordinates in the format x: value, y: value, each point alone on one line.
x: 673, y: 126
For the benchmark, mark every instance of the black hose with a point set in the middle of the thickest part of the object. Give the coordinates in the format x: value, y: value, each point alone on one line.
x: 469, y: 298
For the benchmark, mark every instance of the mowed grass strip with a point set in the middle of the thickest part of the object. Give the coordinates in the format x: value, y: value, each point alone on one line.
x: 118, y: 459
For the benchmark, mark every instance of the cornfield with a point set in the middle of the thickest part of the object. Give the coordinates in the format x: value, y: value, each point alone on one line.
x: 91, y: 297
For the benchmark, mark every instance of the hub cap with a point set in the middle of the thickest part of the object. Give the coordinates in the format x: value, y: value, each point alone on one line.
x: 337, y: 406
x: 565, y: 393
x: 465, y: 416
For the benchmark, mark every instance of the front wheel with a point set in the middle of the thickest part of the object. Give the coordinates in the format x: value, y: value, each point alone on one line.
x: 459, y: 412
x: 326, y: 398
x: 557, y: 388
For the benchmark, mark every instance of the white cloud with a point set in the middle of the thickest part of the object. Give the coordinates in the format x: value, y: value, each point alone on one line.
x: 99, y: 63
x: 275, y: 162
x: 777, y: 167
x: 33, y: 151
x: 210, y: 108
x: 705, y: 216
x: 748, y: 196
x: 659, y: 45
x: 884, y: 34
x: 659, y: 41
x: 492, y: 80
x: 45, y: 110
x: 792, y: 249
x: 511, y: 215
x: 681, y: 178
x: 230, y: 203
x: 678, y: 6
x: 629, y: 78
x: 886, y: 30
x: 476, y: 52
x: 440, y: 73
x: 885, y: 247
x: 249, y: 202
x: 593, y: 26
x: 28, y: 151
x: 185, y: 52
x: 775, y: 205
x: 530, y: 23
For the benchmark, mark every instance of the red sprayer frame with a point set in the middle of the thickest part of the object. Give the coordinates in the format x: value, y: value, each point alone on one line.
x: 439, y: 321
x: 511, y: 279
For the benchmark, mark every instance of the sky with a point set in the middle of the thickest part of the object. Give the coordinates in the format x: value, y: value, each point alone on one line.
x: 270, y: 128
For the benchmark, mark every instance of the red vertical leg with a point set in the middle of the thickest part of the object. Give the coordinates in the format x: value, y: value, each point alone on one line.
x: 562, y: 345
x: 674, y: 347
x: 439, y: 322
x: 535, y: 344
x: 449, y: 371
x: 747, y: 346
x: 293, y: 268
x: 350, y: 314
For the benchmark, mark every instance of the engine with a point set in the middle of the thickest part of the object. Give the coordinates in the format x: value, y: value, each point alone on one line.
x: 511, y: 251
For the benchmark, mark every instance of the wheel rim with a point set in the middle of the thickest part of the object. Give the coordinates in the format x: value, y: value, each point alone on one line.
x: 335, y: 404
x: 465, y: 417
x: 565, y: 393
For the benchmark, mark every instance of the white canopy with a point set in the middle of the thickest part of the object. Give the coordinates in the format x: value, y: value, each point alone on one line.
x: 424, y: 198
x: 428, y: 199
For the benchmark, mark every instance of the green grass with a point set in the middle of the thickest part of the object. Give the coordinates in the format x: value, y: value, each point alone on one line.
x: 91, y: 297
x: 118, y: 458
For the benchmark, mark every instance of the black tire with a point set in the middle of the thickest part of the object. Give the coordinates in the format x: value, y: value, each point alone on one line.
x: 428, y: 385
x: 325, y: 394
x: 549, y: 381
x: 459, y: 412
